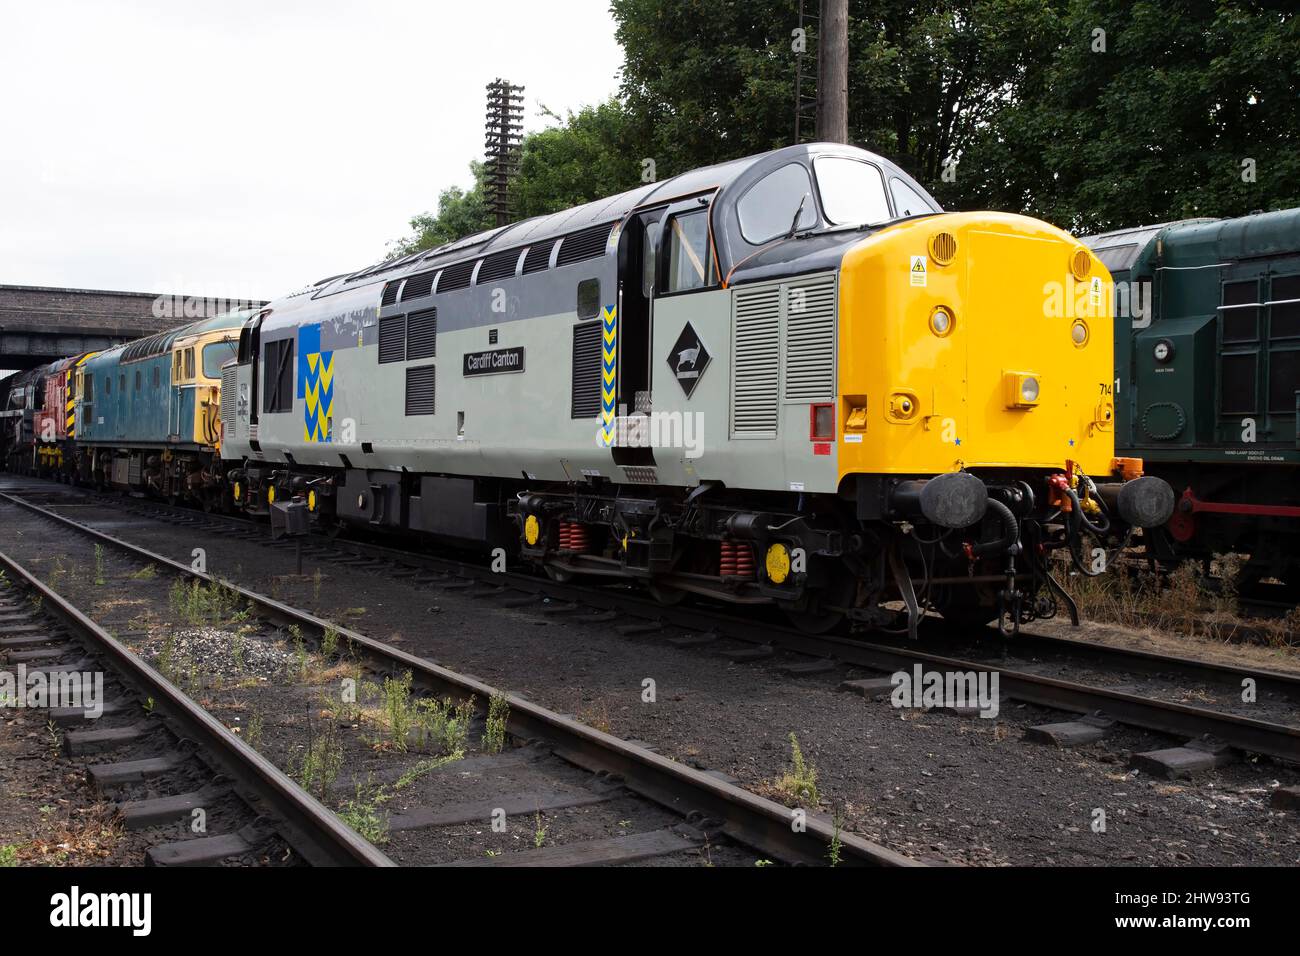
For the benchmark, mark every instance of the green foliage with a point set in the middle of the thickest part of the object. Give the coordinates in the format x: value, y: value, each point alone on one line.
x: 9, y: 855
x: 461, y: 212
x: 494, y: 734
x: 1013, y: 92
x: 800, y: 784
x: 362, y: 813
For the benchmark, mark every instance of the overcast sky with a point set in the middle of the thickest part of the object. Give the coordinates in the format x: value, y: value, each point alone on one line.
x: 241, y: 148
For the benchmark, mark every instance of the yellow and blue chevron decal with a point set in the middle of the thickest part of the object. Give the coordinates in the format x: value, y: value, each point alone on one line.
x: 608, y: 374
x: 315, y: 385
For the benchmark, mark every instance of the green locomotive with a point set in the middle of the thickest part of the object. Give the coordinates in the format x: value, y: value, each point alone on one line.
x: 1207, y: 380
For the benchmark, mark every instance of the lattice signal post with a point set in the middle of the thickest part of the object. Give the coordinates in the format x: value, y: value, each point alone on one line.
x: 505, y: 131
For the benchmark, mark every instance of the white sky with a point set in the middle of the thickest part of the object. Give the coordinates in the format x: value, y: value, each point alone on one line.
x: 245, y: 149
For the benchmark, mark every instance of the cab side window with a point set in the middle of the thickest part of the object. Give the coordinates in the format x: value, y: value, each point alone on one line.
x: 690, y: 258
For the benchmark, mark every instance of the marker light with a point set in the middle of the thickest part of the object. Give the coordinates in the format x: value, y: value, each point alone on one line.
x: 1079, y: 333
x: 941, y: 321
x: 1029, y: 390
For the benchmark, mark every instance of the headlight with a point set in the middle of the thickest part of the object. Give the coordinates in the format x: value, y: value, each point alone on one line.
x: 941, y: 321
x: 1029, y: 390
x: 1079, y: 334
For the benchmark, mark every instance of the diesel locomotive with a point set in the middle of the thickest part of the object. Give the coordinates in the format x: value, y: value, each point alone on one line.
x: 1207, y: 360
x: 142, y: 417
x: 790, y: 380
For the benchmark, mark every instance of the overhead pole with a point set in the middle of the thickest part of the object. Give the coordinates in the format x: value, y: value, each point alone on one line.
x: 833, y: 72
x: 503, y: 138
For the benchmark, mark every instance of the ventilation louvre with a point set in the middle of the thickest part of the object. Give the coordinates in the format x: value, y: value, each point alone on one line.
x: 392, y: 339
x: 422, y: 335
x: 587, y: 244
x: 420, y: 387
x: 499, y: 265
x: 228, y: 401
x: 457, y: 276
x: 755, y: 377
x: 810, y: 341
x: 585, y: 396
x: 417, y: 286
x: 390, y: 292
x: 539, y: 257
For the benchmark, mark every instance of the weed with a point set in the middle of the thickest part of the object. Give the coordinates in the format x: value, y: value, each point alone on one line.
x: 494, y: 734
x: 362, y: 813
x: 443, y: 727
x: 539, y: 831
x: 837, y: 844
x: 147, y: 573
x: 253, y: 732
x: 237, y: 651
x: 596, y: 716
x: 329, y: 642
x: 99, y: 564
x: 801, y: 783
x: 320, y: 764
x: 425, y: 767
x: 9, y: 855
x: 55, y: 737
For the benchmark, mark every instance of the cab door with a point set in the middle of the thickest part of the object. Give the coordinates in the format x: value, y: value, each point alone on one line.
x: 638, y: 258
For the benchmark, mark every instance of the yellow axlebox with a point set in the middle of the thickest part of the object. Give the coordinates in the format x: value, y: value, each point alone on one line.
x: 994, y: 353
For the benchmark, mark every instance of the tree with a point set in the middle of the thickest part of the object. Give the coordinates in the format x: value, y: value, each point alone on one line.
x: 589, y: 155
x: 1165, y: 116
x: 460, y: 213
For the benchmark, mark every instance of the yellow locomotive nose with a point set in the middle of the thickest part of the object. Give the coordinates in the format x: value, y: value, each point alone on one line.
x: 997, y: 352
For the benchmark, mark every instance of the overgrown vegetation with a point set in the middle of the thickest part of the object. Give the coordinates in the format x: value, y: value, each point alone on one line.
x: 494, y: 734
x: 215, y: 604
x: 800, y: 784
x: 1182, y: 601
x: 363, y: 815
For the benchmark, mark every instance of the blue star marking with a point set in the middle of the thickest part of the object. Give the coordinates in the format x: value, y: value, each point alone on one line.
x: 958, y: 441
x: 1071, y: 442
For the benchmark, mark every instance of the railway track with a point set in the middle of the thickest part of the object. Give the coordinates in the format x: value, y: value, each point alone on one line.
x: 706, y: 810
x: 1027, y: 683
x: 148, y: 737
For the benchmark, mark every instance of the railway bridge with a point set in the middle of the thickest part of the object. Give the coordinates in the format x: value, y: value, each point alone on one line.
x: 40, y: 324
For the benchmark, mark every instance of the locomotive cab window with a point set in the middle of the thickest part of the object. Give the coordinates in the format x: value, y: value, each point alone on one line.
x: 907, y: 201
x: 277, y: 376
x: 589, y: 299
x: 853, y: 192
x: 690, y: 260
x: 215, y: 355
x: 780, y: 200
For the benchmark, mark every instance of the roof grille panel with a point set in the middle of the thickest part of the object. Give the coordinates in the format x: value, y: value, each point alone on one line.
x: 587, y: 244
x: 499, y: 265
x: 457, y: 276
x: 390, y: 292
x: 418, y: 286
x: 539, y: 257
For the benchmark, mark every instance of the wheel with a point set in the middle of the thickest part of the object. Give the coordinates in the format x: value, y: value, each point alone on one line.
x: 665, y: 594
x: 558, y: 575
x: 821, y: 610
